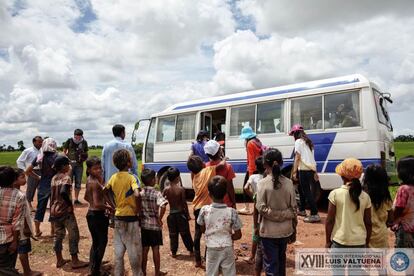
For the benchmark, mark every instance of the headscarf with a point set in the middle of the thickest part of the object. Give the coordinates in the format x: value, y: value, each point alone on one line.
x: 48, y: 145
x: 350, y: 168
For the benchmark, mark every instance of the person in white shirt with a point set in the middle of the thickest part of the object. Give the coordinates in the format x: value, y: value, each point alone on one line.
x: 24, y: 161
x: 304, y: 170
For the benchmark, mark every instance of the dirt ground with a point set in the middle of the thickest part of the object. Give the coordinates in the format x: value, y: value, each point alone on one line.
x: 43, y: 259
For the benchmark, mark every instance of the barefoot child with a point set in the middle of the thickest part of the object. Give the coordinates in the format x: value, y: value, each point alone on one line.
x: 178, y: 218
x: 12, y: 202
x: 201, y: 177
x: 127, y: 232
x: 25, y: 247
x: 62, y: 215
x: 222, y: 226
x: 404, y: 204
x: 97, y: 220
x: 153, y: 210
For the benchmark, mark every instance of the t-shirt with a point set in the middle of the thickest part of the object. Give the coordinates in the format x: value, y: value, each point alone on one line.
x: 46, y: 165
x: 227, y: 172
x: 307, y: 159
x: 379, y: 235
x: 405, y: 199
x: 349, y: 228
x: 152, y: 200
x: 60, y: 205
x: 200, y: 186
x: 123, y: 185
x: 198, y: 149
x: 253, y: 181
x: 254, y: 150
x: 219, y: 221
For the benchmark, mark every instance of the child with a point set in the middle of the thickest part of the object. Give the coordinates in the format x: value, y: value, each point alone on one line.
x: 251, y: 189
x: 98, y: 221
x: 348, y: 223
x: 214, y: 152
x: 404, y: 204
x: 276, y: 204
x: 222, y: 226
x: 376, y: 185
x: 201, y: 177
x: 61, y: 213
x: 178, y: 218
x: 127, y: 232
x: 25, y: 247
x: 12, y: 203
x: 153, y: 210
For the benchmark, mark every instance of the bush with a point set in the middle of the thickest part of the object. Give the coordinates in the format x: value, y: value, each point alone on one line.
x: 138, y: 150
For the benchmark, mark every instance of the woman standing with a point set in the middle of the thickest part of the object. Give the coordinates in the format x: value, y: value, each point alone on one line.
x: 276, y: 204
x: 44, y: 160
x: 254, y: 150
x: 197, y: 148
x: 304, y: 170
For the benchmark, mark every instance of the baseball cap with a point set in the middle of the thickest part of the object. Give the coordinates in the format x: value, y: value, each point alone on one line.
x: 211, y: 147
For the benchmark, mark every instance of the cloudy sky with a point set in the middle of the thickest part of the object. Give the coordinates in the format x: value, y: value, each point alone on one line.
x: 67, y: 64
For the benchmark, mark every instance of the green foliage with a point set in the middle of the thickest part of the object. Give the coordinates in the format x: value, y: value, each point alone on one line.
x: 138, y: 150
x: 404, y: 138
x: 20, y: 145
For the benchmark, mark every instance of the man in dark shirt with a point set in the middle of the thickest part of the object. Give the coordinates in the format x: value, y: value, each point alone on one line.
x: 76, y: 149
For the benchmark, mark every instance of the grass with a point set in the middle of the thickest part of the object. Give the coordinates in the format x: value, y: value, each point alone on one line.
x: 401, y: 149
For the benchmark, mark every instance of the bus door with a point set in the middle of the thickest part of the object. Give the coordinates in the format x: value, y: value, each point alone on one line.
x: 207, y: 123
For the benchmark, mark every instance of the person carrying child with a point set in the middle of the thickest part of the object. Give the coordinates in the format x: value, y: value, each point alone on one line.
x: 25, y: 247
x: 348, y: 223
x: 376, y: 185
x: 62, y: 215
x: 404, y: 204
x: 276, y: 204
x: 222, y: 226
x: 179, y: 216
x: 201, y: 176
x: 215, y: 152
x: 12, y: 203
x: 153, y: 210
x: 251, y: 190
x: 97, y: 217
x: 127, y: 205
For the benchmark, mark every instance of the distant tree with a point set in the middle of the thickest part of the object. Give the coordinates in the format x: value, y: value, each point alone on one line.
x: 404, y: 138
x: 2, y: 147
x: 10, y: 148
x: 138, y: 150
x: 20, y: 145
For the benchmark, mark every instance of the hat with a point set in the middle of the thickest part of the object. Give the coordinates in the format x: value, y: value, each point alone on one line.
x: 350, y: 168
x: 295, y: 128
x: 61, y: 161
x: 247, y: 133
x: 211, y: 147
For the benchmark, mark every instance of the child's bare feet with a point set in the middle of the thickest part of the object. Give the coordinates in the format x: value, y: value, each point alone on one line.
x: 61, y: 263
x: 79, y: 264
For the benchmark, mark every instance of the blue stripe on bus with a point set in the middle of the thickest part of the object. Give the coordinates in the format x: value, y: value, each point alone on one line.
x: 241, y: 167
x: 266, y: 94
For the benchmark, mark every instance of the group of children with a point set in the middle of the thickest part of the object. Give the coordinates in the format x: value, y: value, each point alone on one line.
x: 358, y: 213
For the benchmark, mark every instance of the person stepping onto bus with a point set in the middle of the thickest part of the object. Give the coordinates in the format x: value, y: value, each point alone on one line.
x: 201, y: 176
x: 197, y: 148
x: 304, y: 170
x: 179, y: 216
x: 215, y: 152
x: 153, y: 210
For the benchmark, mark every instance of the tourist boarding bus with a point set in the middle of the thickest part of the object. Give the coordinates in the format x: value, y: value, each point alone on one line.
x: 344, y: 117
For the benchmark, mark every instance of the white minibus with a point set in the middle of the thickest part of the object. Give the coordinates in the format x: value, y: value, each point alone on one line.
x: 345, y: 117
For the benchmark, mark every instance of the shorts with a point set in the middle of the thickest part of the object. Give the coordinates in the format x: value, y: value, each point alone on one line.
x: 151, y: 238
x: 24, y: 246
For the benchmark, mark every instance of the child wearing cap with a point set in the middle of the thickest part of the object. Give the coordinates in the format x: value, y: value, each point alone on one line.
x: 61, y: 213
x: 214, y: 152
x: 348, y: 224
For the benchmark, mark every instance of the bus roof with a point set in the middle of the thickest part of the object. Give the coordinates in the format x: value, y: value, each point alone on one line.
x: 298, y: 89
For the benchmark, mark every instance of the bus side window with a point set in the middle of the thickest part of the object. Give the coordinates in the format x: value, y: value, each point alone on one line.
x: 342, y: 110
x: 307, y: 112
x: 185, y: 128
x: 240, y: 117
x: 270, y: 117
x: 166, y: 129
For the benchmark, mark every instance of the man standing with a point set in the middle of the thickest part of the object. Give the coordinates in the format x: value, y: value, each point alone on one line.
x: 24, y: 161
x: 76, y: 149
x: 109, y: 149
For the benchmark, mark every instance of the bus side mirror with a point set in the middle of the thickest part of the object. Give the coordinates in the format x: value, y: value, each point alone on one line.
x: 139, y: 130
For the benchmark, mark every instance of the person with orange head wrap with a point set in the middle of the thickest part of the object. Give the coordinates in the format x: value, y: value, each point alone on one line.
x: 349, y: 213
